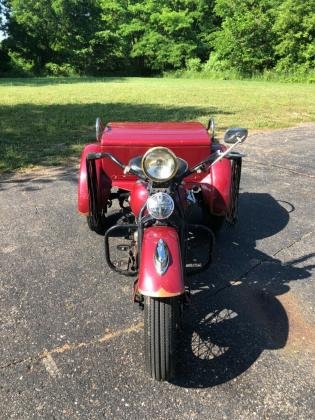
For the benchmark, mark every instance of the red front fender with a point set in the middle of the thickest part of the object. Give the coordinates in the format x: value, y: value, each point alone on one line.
x: 150, y: 283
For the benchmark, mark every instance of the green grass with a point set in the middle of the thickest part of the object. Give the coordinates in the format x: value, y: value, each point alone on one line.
x: 47, y: 121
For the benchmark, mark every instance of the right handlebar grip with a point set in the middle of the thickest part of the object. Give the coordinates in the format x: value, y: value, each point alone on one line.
x: 93, y: 156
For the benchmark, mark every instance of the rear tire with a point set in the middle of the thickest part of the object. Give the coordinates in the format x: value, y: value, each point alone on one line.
x: 213, y: 222
x: 232, y: 213
x: 161, y: 321
x: 97, y: 224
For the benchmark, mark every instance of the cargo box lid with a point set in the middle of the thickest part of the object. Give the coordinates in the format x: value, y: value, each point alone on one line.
x: 171, y: 134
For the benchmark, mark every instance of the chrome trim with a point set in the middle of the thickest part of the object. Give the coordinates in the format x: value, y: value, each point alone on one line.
x: 153, y: 213
x: 191, y: 196
x: 161, y: 257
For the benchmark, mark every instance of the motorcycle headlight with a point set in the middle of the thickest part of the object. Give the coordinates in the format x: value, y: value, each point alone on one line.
x: 160, y: 205
x: 159, y: 164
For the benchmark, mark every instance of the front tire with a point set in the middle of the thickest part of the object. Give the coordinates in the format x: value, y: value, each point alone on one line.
x: 161, y: 321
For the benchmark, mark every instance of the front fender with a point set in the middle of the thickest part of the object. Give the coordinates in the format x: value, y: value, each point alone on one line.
x: 150, y: 282
x: 216, y: 187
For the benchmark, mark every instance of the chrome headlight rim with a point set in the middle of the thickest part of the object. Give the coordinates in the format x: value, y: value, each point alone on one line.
x: 164, y: 149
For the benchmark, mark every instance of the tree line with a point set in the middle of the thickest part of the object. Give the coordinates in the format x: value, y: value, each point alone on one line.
x: 143, y: 37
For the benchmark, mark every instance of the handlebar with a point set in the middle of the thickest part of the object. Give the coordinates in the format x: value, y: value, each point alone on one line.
x: 213, y: 158
x: 200, y: 166
x: 100, y: 155
x: 125, y: 168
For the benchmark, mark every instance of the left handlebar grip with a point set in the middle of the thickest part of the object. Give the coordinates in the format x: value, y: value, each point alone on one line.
x: 100, y: 155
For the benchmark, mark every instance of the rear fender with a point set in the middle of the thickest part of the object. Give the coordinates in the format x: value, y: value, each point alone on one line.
x: 103, y: 182
x: 216, y: 187
x: 150, y: 282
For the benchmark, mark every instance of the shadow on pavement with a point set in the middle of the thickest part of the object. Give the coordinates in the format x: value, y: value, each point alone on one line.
x: 234, y: 315
x: 227, y: 328
x: 39, y: 179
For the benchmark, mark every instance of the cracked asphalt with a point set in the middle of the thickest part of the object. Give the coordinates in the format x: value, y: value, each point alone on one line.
x: 71, y: 339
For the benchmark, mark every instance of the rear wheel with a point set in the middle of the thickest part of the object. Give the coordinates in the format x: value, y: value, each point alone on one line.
x: 211, y: 221
x: 161, y: 321
x: 232, y: 214
x: 97, y: 224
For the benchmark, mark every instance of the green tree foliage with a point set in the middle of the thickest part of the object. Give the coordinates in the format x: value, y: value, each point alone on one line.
x: 32, y: 30
x: 159, y: 35
x: 5, y: 61
x: 83, y: 40
x: 295, y: 35
x: 63, y: 37
x: 164, y: 34
x: 97, y: 36
x: 245, y: 40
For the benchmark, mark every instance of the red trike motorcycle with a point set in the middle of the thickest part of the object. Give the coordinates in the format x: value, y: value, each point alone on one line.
x: 164, y: 176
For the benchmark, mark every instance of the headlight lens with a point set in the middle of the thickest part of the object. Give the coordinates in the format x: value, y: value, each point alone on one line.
x: 159, y: 164
x: 160, y: 205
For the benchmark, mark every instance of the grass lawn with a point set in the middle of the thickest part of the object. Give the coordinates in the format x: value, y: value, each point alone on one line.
x: 47, y: 121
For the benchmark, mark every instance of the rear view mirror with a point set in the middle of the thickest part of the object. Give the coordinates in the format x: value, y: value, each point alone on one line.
x: 234, y: 135
x: 99, y: 127
x: 211, y: 126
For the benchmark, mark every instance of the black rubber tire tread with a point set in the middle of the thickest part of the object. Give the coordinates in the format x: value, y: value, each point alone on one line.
x: 235, y: 186
x: 160, y: 326
x: 98, y: 226
x: 213, y: 222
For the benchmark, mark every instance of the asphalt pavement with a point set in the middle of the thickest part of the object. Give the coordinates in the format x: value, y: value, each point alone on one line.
x: 71, y: 338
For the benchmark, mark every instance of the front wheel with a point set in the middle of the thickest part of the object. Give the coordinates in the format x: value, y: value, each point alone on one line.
x: 161, y: 322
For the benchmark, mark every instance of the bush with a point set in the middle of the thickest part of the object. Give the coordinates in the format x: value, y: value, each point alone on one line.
x: 53, y: 69
x: 20, y: 66
x: 193, y: 64
x: 295, y: 74
x: 210, y: 71
x: 214, y: 64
